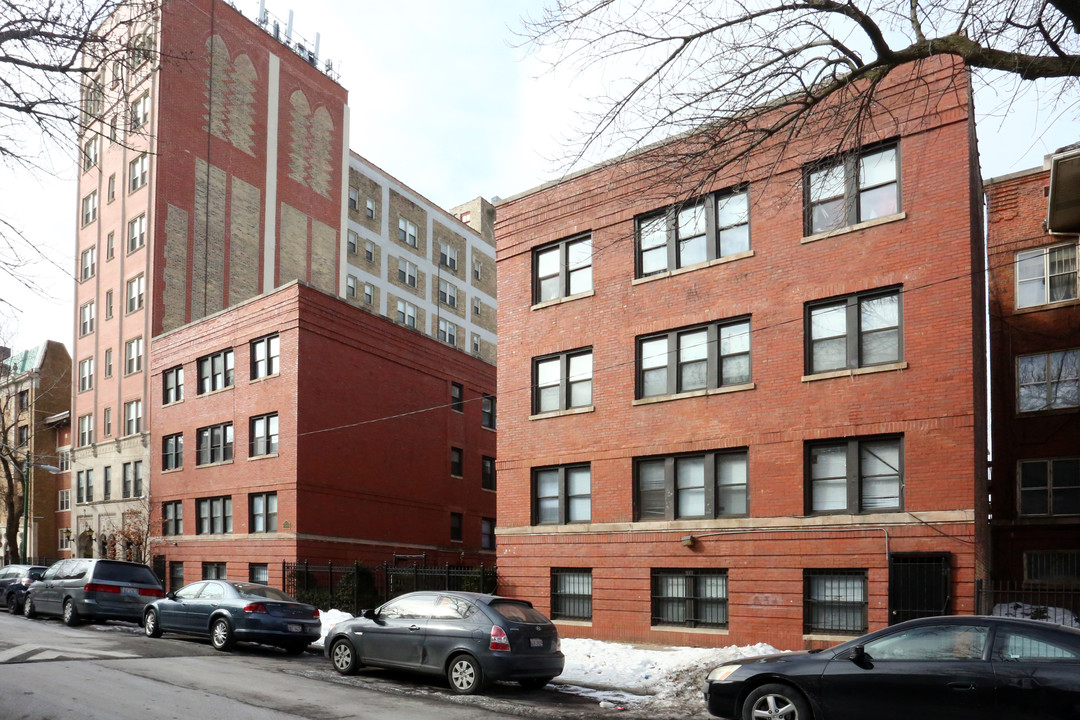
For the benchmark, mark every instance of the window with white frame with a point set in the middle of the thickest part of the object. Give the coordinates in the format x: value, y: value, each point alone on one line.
x: 214, y: 515
x: 90, y: 208
x: 136, y: 290
x: 86, y: 374
x: 63, y: 502
x: 110, y: 193
x: 407, y: 231
x: 86, y: 318
x: 108, y: 362
x: 262, y: 508
x: 353, y: 240
x: 703, y: 485
x: 717, y: 226
x: 448, y: 256
x: 1048, y: 381
x: 448, y: 332
x: 487, y: 412
x: 834, y: 601
x: 131, y: 480
x: 136, y: 233
x: 86, y: 430
x: 477, y: 306
x: 172, y: 518
x: 263, y: 433
x: 172, y: 385
x: 1046, y: 275
x: 137, y: 172
x: 562, y: 495
x: 140, y: 111
x: 215, y: 370
x: 172, y: 451
x: 88, y: 263
x: 133, y: 417
x: 354, y: 198
x: 108, y: 304
x: 856, y: 331
x: 133, y: 355
x: 406, y: 272
x: 851, y: 189
x: 1050, y: 487
x: 369, y: 251
x: 106, y: 430
x: 563, y: 381
x: 265, y: 356
x: 350, y: 286
x: 406, y: 313
x: 476, y: 344
x: 562, y: 269
x: 110, y: 246
x: 477, y: 269
x: 369, y: 209
x: 447, y: 294
x: 704, y: 357
x: 855, y: 475
x: 90, y: 153
x: 369, y: 293
x: 214, y: 444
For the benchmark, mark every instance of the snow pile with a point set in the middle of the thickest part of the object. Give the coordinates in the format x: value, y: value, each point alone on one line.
x: 1061, y: 616
x: 329, y: 619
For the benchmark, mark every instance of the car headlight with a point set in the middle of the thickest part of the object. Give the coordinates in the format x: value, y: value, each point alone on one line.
x: 721, y: 673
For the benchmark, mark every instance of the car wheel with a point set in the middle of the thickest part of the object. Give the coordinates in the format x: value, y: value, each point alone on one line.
x: 221, y: 635
x: 13, y: 604
x: 150, y: 624
x: 776, y: 702
x: 71, y: 616
x: 534, y: 683
x: 465, y: 675
x: 28, y: 610
x: 296, y: 648
x: 343, y: 657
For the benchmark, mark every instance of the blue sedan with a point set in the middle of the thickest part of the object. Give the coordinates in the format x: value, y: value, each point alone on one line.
x: 227, y: 611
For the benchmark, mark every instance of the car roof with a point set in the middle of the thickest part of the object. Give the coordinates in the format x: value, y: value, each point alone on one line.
x: 989, y: 619
x: 483, y: 598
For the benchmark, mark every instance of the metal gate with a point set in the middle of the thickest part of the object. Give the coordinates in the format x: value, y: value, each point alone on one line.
x: 920, y: 585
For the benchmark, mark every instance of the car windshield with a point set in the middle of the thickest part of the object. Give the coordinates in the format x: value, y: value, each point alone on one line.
x: 517, y: 611
x: 123, y: 572
x: 254, y: 590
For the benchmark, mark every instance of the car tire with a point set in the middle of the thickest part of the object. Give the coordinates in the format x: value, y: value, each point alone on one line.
x: 28, y: 610
x: 296, y: 648
x: 776, y: 702
x: 343, y: 657
x: 13, y: 606
x: 71, y: 615
x: 150, y: 624
x: 534, y: 683
x: 221, y: 635
x: 465, y: 675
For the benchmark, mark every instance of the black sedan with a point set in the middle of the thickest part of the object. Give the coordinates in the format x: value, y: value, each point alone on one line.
x: 470, y: 638
x: 957, y: 667
x: 227, y: 611
x: 14, y: 581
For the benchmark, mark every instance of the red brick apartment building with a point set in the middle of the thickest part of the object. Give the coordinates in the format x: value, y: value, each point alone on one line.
x: 1034, y: 360
x: 757, y: 414
x: 297, y: 426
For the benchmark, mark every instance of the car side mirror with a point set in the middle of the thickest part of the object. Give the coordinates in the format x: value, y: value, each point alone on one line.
x: 858, y: 655
x: 170, y: 595
x: 369, y: 614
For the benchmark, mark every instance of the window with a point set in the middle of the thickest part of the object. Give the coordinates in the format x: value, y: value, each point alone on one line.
x: 354, y: 198
x: 478, y: 268
x: 136, y: 290
x: 571, y: 594
x: 133, y: 479
x: 1048, y: 381
x: 1033, y: 644
x: 86, y: 430
x: 137, y: 171
x: 86, y: 374
x: 852, y: 189
x: 406, y: 313
x: 214, y: 444
x: 704, y: 357
x: 84, y: 486
x: 90, y: 153
x: 89, y: 208
x: 108, y: 304
x: 259, y: 573
x: 63, y: 502
x: 475, y: 344
x: 214, y: 515
x: 562, y: 382
x: 690, y: 598
x: 406, y: 232
x: 110, y: 246
x: 172, y: 451
x: 706, y: 485
x: 406, y: 273
x: 108, y: 362
x: 112, y: 188
x: 448, y: 332
x: 140, y: 50
x: 176, y: 575
x: 477, y: 306
x: 126, y: 477
x: 1052, y: 566
x: 172, y: 385
x: 369, y: 251
x: 857, y: 475
x: 369, y: 293
x: 354, y: 241
x: 213, y: 571
x: 93, y: 97
x: 172, y: 518
x: 1050, y: 487
x: 350, y: 286
x: 854, y: 332
x: 262, y: 508
x: 264, y: 435
x: 448, y: 256
x: 215, y: 371
x: 106, y: 421
x: 88, y: 263
x: 136, y: 233
x: 487, y: 534
x: 369, y: 209
x: 487, y: 412
x: 22, y: 436
x: 447, y: 294
x: 834, y: 601
x: 133, y: 351
x: 457, y: 397
x: 694, y: 233
x: 455, y: 527
x: 560, y: 270
x: 487, y: 473
x: 63, y: 460
x: 86, y: 318
x: 932, y: 643
x: 265, y: 356
x: 140, y: 111
x: 1046, y: 275
x: 455, y: 462
x: 22, y: 401
x: 133, y: 417
x: 562, y: 495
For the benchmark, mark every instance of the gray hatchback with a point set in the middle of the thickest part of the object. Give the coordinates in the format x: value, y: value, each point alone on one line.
x: 93, y: 589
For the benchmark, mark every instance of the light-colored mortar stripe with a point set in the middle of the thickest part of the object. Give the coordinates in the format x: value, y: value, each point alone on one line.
x: 270, y: 208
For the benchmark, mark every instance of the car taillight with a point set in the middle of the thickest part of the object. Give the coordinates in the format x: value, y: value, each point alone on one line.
x: 26, y: 582
x: 152, y: 592
x: 98, y: 587
x: 255, y: 608
x: 499, y: 641
x: 316, y: 615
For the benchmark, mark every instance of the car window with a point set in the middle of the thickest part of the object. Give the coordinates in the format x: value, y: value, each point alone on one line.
x: 7, y: 572
x: 75, y: 570
x: 254, y: 590
x: 1031, y: 644
x: 518, y: 612
x: 189, y: 591
x: 123, y: 572
x: 212, y: 591
x: 36, y: 573
x: 413, y: 606
x: 452, y: 608
x: 54, y: 570
x: 931, y: 642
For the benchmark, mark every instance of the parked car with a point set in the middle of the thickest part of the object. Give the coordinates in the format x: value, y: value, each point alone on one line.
x: 470, y: 638
x: 956, y: 667
x: 93, y: 589
x: 14, y: 580
x: 227, y: 611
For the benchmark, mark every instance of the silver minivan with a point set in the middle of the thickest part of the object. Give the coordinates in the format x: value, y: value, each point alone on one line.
x: 93, y: 589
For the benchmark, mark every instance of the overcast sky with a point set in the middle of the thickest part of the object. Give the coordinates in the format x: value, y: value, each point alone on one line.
x: 441, y: 99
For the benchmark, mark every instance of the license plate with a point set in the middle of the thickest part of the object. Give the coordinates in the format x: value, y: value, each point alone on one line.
x: 536, y: 642
x: 291, y: 627
x: 129, y: 591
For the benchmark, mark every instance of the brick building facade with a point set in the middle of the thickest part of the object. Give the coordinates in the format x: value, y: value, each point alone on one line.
x: 756, y: 414
x: 1034, y: 361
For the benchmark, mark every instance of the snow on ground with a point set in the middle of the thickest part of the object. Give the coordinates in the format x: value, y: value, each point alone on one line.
x: 1061, y: 616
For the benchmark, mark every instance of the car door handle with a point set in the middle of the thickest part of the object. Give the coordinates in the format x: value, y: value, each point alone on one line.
x: 414, y: 627
x: 962, y: 685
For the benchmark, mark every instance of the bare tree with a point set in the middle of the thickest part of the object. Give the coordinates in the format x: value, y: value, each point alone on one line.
x: 740, y: 74
x: 133, y: 533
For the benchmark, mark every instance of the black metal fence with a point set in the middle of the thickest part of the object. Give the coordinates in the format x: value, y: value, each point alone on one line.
x: 352, y: 588
x: 1056, y: 603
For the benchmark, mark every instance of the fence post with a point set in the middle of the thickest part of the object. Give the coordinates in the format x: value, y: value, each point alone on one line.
x: 307, y: 574
x: 415, y: 576
x: 356, y: 587
x: 330, y: 569
x: 284, y: 581
x: 446, y: 576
